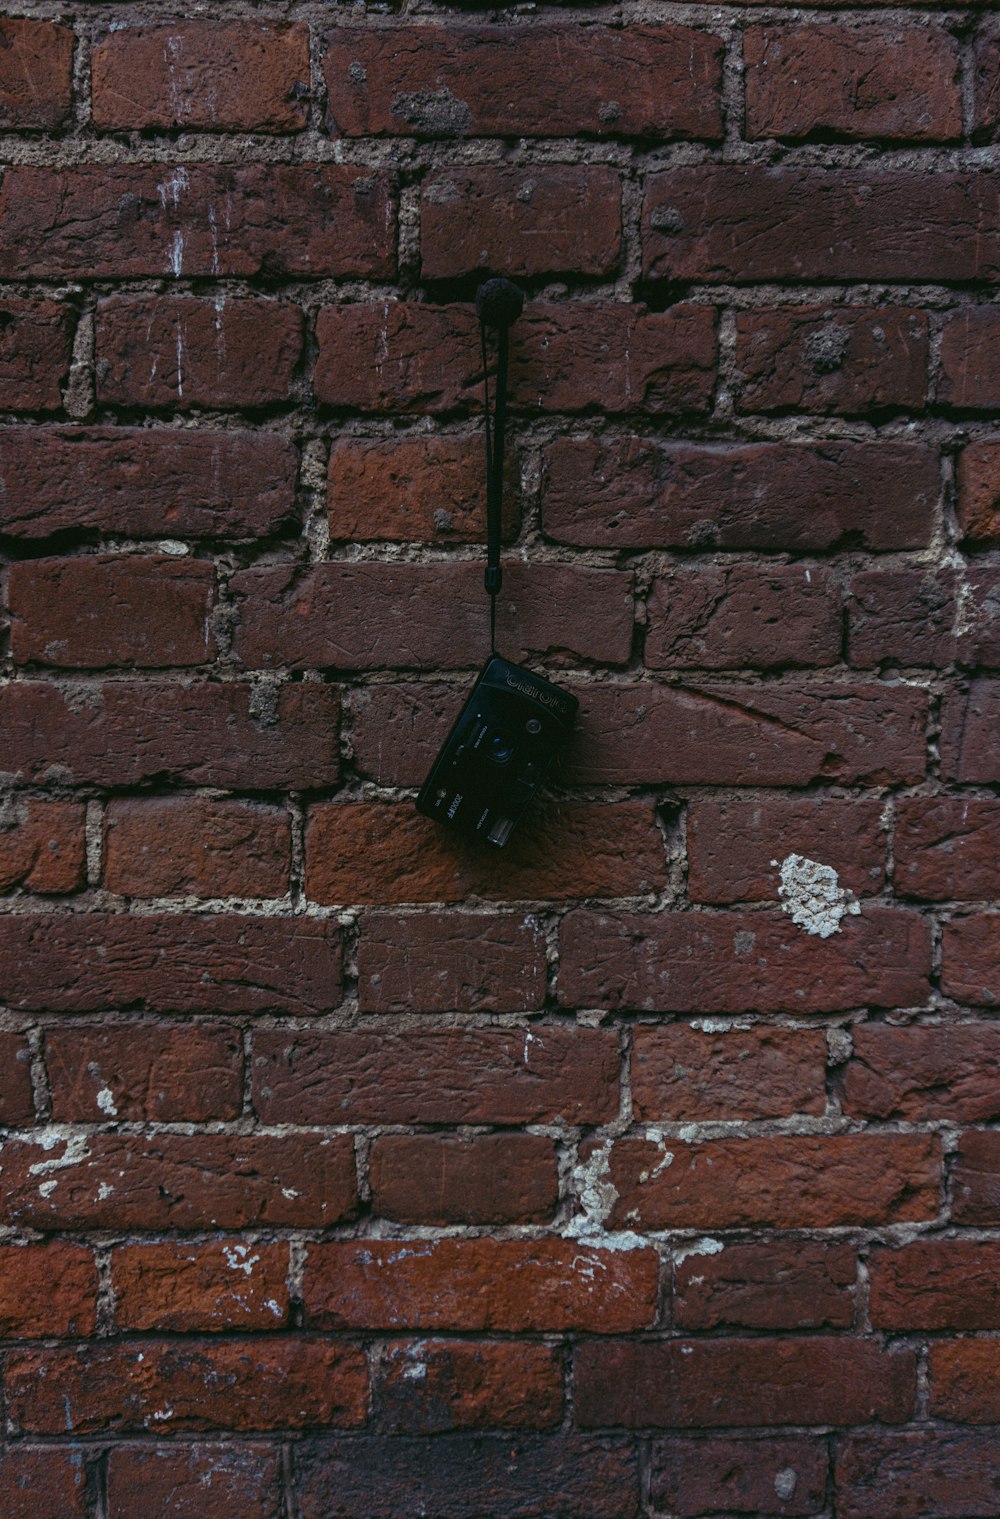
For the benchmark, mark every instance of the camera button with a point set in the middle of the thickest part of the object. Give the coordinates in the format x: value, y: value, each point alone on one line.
x: 533, y: 725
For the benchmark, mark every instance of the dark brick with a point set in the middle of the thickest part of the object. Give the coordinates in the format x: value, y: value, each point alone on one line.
x: 225, y: 1285
x: 747, y: 616
x: 140, y: 1073
x: 36, y: 74
x: 682, y: 1074
x: 425, y: 489
x: 923, y: 1073
x: 840, y: 361
x: 977, y: 1179
x: 43, y: 846
x: 39, y: 1482
x: 17, y: 1103
x: 196, y: 846
x: 970, y: 359
x: 36, y: 341
x: 979, y: 493
x: 491, y: 1179
x: 964, y: 1382
x: 936, y: 1284
x: 189, y: 1481
x: 944, y: 1473
x: 430, y: 1386
x: 442, y: 962
x: 797, y: 1284
x: 947, y: 848
x: 785, y: 1475
x: 987, y: 84
x: 970, y: 960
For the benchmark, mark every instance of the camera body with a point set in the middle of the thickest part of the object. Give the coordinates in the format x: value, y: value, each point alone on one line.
x: 498, y: 752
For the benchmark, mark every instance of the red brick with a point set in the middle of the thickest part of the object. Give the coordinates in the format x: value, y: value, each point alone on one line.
x: 947, y: 847
x: 745, y: 616
x: 969, y: 719
x: 729, y: 962
x: 192, y: 1481
x: 286, y: 1383
x: 901, y: 616
x: 964, y: 1381
x: 196, y: 847
x: 39, y: 1482
x: 800, y: 1284
x: 125, y: 732
x: 899, y: 83
x: 987, y: 85
x: 427, y: 489
x: 715, y: 222
x: 491, y: 1179
x: 642, y: 493
x: 398, y: 356
x: 793, y: 1181
x: 977, y: 1179
x: 42, y: 846
x: 203, y: 75
x: 138, y: 1073
x: 47, y: 1290
x: 735, y: 845
x: 525, y: 1477
x: 779, y: 734
x: 207, y: 1181
x: 384, y: 852
x: 923, y: 1073
x: 121, y: 609
x: 36, y: 74
x: 524, y: 81
x: 841, y: 361
x: 478, y: 1284
x: 936, y: 1284
x: 952, y: 1474
x: 979, y: 493
x: 542, y: 1074
x: 683, y: 1074
x: 521, y: 221
x: 710, y: 1383
x: 117, y: 221
x: 84, y: 963
x: 970, y: 960
x: 225, y: 1284
x: 364, y: 616
x: 691, y: 1476
x: 36, y: 341
x: 429, y: 1386
x: 970, y: 359
x: 182, y: 353
x: 17, y: 1103
x: 144, y: 483
x: 450, y: 962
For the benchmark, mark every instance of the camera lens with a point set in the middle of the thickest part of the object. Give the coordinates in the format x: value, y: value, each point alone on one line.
x: 497, y: 746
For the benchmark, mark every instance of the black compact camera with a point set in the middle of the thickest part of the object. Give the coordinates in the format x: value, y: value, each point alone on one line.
x: 497, y: 754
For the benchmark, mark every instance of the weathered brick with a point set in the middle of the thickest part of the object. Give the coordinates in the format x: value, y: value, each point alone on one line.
x: 970, y: 359
x: 936, y: 1284
x: 970, y: 960
x: 478, y: 1284
x: 181, y: 353
x: 286, y: 1383
x: 17, y: 1102
x: 525, y: 1477
x: 429, y: 1386
x: 779, y: 734
x: 747, y: 222
x: 843, y: 360
x: 947, y: 847
x: 36, y: 341
x: 987, y: 84
x: 47, y: 1290
x: 540, y: 1074
x: 36, y: 74
x: 491, y: 1179
x: 641, y: 493
x: 121, y: 609
x: 117, y: 221
x: 799, y: 1284
x: 721, y: 618
x: 428, y: 489
x: 683, y: 1074
x: 150, y: 1073
x: 786, y: 1181
x: 145, y: 482
x: 899, y: 84
x: 735, y: 845
x: 528, y: 81
x: 223, y: 1285
x: 977, y: 1179
x: 123, y: 733
x: 969, y: 718
x: 964, y: 1383
x: 543, y: 220
x: 196, y: 846
x: 43, y: 1480
x: 188, y: 1481
x: 952, y: 1474
x: 736, y: 962
x: 203, y: 76
x: 398, y: 356
x: 923, y: 1073
x: 176, y: 1181
x: 367, y: 616
x: 84, y: 963
x: 450, y: 962
x: 785, y: 1475
x: 709, y: 1383
x: 902, y: 616
x: 384, y: 852
x: 979, y: 493
x: 43, y: 846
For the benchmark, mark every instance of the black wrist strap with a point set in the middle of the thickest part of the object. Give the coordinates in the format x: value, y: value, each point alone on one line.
x: 498, y: 305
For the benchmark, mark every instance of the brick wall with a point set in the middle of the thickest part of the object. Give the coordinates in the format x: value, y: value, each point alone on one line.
x: 652, y: 1165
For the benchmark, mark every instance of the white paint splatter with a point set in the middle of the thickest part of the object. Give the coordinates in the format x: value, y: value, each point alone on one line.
x: 597, y: 1194
x: 813, y: 896
x: 75, y: 1151
x: 705, y: 1246
x: 239, y: 1258
x: 106, y: 1102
